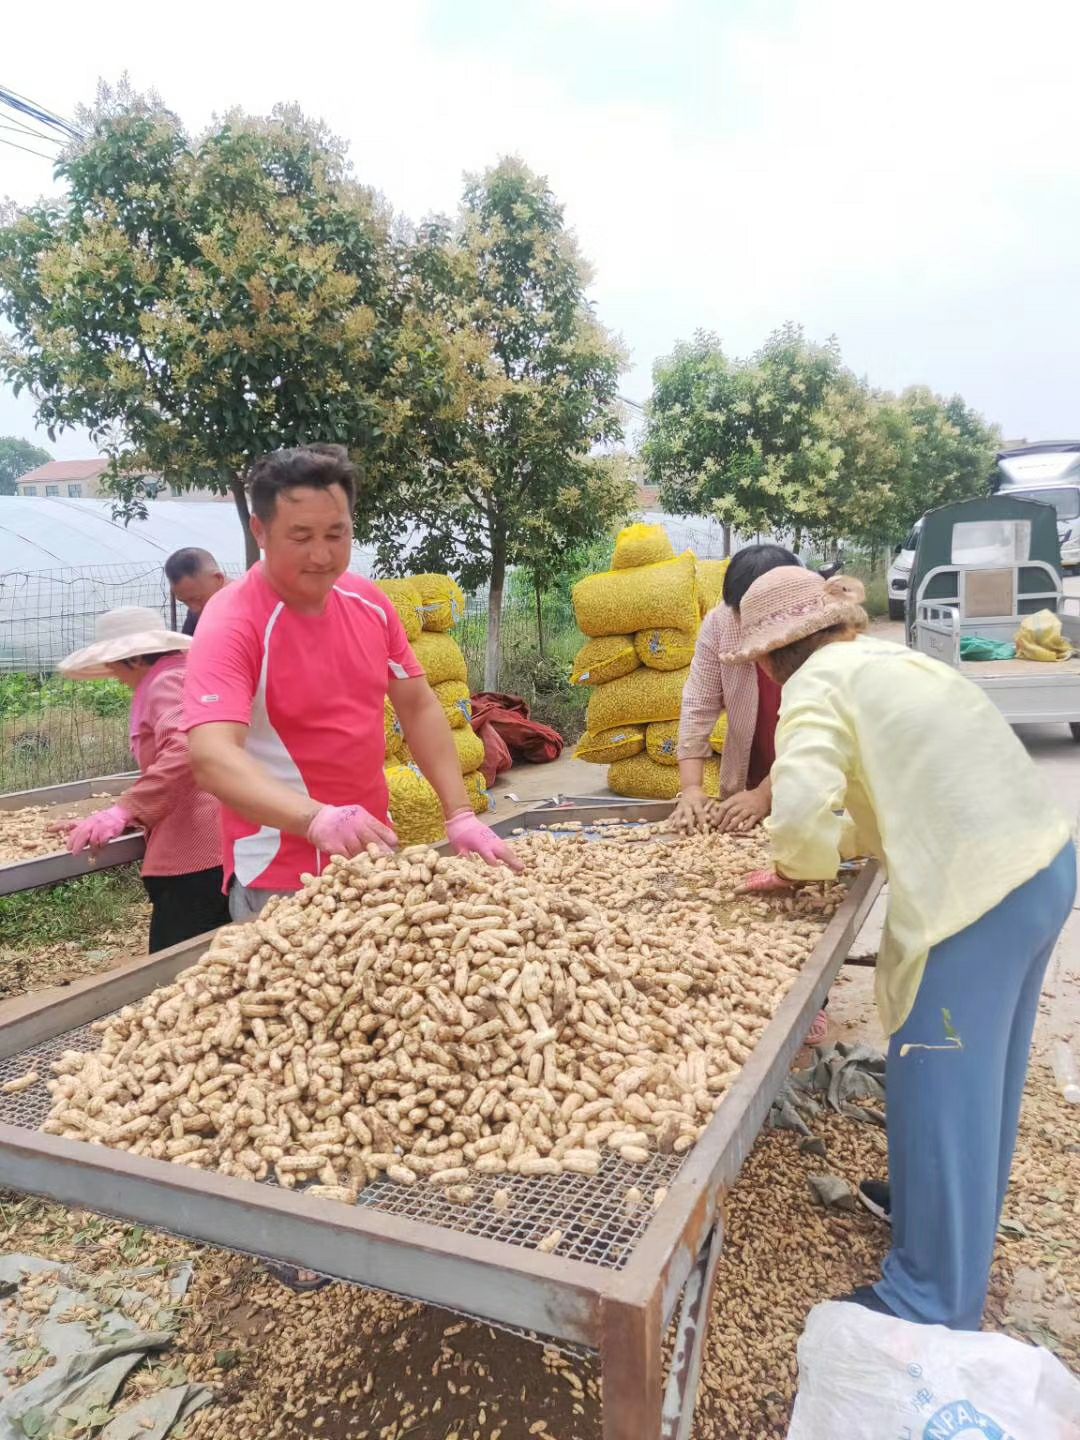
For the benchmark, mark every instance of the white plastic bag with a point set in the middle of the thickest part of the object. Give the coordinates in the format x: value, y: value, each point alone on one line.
x: 865, y: 1376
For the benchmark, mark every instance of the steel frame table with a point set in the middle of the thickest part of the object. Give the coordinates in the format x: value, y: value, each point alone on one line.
x: 620, y: 1277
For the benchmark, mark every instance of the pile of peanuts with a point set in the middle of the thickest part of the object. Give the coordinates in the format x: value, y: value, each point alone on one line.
x: 25, y: 834
x: 428, y: 1019
x: 680, y: 825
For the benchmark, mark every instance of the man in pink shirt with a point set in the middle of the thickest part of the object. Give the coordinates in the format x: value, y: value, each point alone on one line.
x: 283, y: 700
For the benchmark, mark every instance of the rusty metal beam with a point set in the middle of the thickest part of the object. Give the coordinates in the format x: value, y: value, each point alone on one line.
x: 631, y: 1369
x: 509, y: 1285
x: 680, y: 1395
x: 65, y: 794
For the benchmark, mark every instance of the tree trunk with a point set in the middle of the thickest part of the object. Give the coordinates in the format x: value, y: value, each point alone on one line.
x: 727, y: 541
x: 539, y: 613
x: 495, y: 600
x: 240, y: 500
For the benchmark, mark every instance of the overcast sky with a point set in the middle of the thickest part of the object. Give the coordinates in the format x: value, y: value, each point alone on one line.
x: 905, y: 177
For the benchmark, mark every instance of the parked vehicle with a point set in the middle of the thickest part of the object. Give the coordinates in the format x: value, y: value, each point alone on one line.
x: 980, y: 566
x: 900, y: 573
x: 1048, y: 472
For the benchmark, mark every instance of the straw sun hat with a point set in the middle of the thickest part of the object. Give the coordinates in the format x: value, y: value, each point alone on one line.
x: 121, y: 635
x: 790, y: 603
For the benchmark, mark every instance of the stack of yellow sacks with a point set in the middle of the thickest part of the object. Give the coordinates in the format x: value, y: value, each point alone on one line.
x: 429, y: 606
x: 642, y: 618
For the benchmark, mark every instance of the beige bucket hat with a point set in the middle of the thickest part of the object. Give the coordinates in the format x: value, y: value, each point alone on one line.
x: 121, y: 635
x: 790, y: 603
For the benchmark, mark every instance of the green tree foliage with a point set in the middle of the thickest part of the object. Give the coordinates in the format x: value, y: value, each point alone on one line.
x: 197, y: 302
x: 950, y: 455
x: 16, y: 458
x: 516, y: 482
x: 790, y: 441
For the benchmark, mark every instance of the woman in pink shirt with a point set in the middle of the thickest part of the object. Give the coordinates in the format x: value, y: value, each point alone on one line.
x: 182, y: 867
x: 752, y: 701
x: 746, y: 693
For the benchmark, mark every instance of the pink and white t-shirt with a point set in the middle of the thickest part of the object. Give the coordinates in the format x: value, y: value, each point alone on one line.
x: 310, y: 689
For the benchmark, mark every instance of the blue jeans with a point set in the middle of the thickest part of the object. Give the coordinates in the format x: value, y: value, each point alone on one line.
x: 954, y: 1103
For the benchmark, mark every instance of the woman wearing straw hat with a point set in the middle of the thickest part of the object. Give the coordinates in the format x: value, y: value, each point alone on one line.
x: 982, y: 876
x: 751, y: 703
x: 182, y: 866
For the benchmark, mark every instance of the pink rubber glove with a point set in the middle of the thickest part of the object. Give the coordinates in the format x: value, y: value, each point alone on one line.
x: 763, y: 882
x: 348, y: 829
x: 470, y: 836
x: 98, y: 829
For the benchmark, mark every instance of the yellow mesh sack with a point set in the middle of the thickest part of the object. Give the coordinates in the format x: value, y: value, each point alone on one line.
x: 453, y: 696
x: 405, y: 598
x: 611, y: 745
x: 636, y: 699
x: 1040, y: 638
x: 665, y: 649
x: 415, y: 811
x: 641, y: 545
x: 662, y: 740
x: 470, y: 749
x: 608, y: 658
x: 710, y: 583
x: 478, y: 793
x: 441, y: 657
x: 393, y: 735
x: 618, y: 602
x: 442, y: 599
x: 641, y: 778
x: 719, y: 734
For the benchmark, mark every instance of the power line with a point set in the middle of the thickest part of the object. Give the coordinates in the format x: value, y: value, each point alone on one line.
x: 14, y: 101
x: 39, y: 153
x: 34, y: 134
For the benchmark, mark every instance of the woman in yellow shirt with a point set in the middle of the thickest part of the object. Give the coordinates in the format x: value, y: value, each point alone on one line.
x: 882, y: 751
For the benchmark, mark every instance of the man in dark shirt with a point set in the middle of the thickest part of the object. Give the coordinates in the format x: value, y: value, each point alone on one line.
x: 193, y: 576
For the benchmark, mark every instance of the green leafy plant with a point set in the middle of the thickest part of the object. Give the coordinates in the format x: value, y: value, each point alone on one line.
x: 17, y: 456
x: 81, y: 910
x: 790, y: 441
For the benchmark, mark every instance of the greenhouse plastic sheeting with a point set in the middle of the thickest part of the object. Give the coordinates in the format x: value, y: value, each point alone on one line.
x: 63, y: 562
x: 51, y: 532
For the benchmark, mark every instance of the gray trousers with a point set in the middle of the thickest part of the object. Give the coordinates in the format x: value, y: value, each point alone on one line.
x: 246, y: 903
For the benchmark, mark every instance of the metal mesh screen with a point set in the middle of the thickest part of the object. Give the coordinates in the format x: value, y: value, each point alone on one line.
x: 597, y: 1225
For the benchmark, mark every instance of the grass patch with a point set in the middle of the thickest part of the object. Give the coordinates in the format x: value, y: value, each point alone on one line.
x: 82, y: 910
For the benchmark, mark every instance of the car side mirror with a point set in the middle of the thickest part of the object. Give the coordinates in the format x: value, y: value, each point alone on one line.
x: 896, y: 550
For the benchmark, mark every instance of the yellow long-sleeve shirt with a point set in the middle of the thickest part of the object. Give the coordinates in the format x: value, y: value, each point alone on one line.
x: 933, y: 782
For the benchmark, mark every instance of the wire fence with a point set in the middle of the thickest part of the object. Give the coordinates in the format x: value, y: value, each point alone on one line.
x: 54, y: 730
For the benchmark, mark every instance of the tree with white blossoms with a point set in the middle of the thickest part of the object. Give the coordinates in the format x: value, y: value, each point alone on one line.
x: 196, y: 302
x: 792, y: 442
x: 518, y: 481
